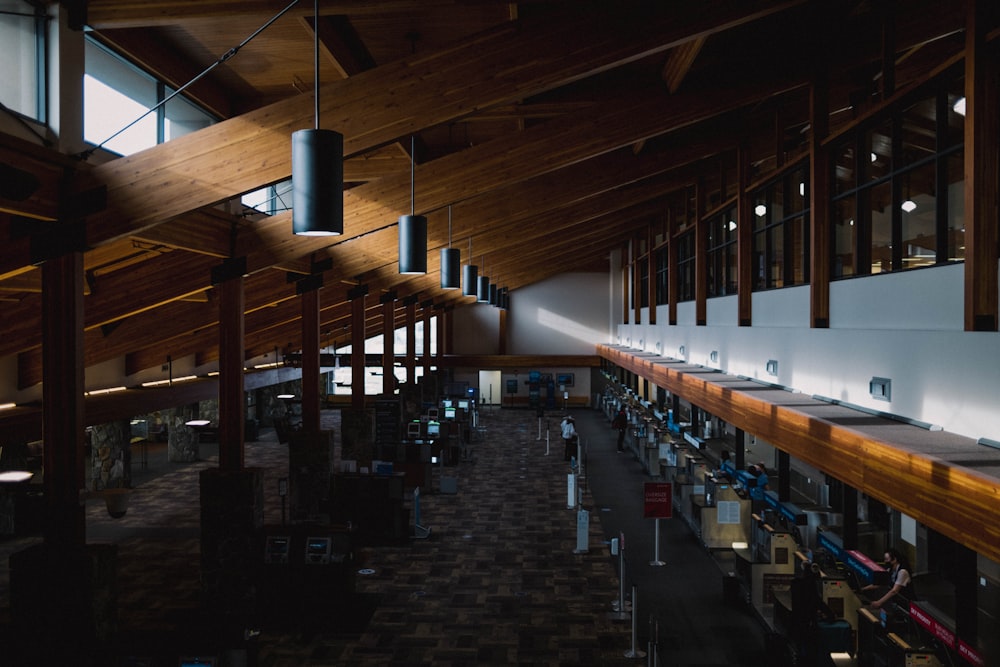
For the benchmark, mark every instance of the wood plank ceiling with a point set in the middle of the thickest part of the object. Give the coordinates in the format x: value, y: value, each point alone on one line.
x: 555, y: 131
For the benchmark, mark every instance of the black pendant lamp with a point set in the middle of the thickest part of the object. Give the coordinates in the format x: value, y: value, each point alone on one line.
x: 451, y: 260
x: 412, y: 233
x: 470, y: 276
x: 483, y: 292
x: 317, y: 168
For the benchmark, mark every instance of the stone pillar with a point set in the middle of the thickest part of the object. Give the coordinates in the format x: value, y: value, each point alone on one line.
x: 111, y: 456
x: 183, y: 445
x: 232, y: 516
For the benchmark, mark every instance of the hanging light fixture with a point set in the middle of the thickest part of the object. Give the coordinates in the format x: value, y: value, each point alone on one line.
x: 470, y: 276
x: 317, y: 168
x: 450, y: 262
x: 483, y: 292
x: 412, y: 232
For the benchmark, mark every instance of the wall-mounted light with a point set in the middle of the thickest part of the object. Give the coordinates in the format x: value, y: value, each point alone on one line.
x: 771, y: 367
x: 760, y: 210
x: 681, y: 352
x: 714, y: 356
x: 959, y: 106
x: 642, y: 343
x: 908, y: 206
x: 880, y: 389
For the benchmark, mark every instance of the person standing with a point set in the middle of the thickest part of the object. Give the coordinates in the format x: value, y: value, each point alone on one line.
x: 569, y: 437
x: 900, y: 582
x: 620, y: 422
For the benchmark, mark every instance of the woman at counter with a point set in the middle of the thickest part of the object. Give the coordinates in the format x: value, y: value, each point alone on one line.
x: 900, y: 582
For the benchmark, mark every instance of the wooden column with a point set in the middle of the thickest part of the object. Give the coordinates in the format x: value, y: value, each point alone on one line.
x: 744, y: 240
x: 426, y: 309
x: 357, y: 297
x: 502, y: 333
x: 673, y: 274
x: 410, y: 306
x: 62, y: 400
x: 309, y: 300
x: 636, y: 280
x: 981, y: 171
x: 388, y: 301
x: 231, y: 358
x: 819, y: 204
x: 626, y: 273
x: 449, y: 331
x: 441, y: 317
x: 700, y: 262
x: 650, y: 274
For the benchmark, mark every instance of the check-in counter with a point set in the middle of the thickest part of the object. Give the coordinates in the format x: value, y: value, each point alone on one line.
x: 761, y: 578
x: 693, y: 484
x: 887, y: 639
x: 725, y: 516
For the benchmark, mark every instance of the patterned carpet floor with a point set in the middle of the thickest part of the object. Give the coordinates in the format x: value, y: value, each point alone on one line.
x: 497, y: 581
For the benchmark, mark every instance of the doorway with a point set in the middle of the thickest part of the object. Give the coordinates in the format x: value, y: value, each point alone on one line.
x: 489, y: 388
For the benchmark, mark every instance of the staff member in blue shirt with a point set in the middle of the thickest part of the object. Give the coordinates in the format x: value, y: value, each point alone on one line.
x: 761, y: 481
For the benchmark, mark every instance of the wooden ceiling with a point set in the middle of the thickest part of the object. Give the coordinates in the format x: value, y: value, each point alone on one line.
x: 554, y: 131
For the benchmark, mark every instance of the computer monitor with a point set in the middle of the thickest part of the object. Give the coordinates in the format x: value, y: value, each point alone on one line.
x: 317, y: 550
x: 432, y: 413
x: 449, y: 413
x: 433, y: 429
x: 276, y: 549
x: 446, y: 403
x: 413, y: 430
x: 463, y: 404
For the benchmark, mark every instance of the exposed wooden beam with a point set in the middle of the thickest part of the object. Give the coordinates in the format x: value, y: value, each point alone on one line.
x: 205, y: 167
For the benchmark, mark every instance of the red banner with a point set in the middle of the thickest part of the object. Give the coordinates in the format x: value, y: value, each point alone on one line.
x: 658, y: 500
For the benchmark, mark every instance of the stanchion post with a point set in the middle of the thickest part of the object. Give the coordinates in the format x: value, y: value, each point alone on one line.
x: 656, y: 562
x: 634, y: 652
x: 620, y: 612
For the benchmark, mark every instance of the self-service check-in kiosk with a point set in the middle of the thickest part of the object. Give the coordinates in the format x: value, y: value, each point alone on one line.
x: 276, y: 549
x: 318, y: 550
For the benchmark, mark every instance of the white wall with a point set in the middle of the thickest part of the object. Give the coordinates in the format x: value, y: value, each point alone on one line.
x: 566, y: 314
x: 906, y: 327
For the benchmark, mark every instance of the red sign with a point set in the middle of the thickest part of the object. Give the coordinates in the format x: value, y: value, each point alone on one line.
x: 658, y: 500
x: 932, y: 625
x: 970, y: 654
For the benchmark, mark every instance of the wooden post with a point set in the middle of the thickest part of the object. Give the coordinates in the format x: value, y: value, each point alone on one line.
x: 62, y: 399
x: 310, y: 360
x: 231, y: 358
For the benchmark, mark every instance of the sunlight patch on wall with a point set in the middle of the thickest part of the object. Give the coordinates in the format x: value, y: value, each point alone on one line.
x: 568, y: 327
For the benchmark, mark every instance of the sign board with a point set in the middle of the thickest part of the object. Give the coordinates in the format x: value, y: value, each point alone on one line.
x: 658, y: 500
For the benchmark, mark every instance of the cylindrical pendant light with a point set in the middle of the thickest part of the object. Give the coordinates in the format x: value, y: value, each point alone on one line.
x: 450, y: 262
x: 483, y: 291
x: 493, y: 294
x: 318, y: 183
x: 412, y: 232
x: 317, y: 168
x: 470, y: 276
